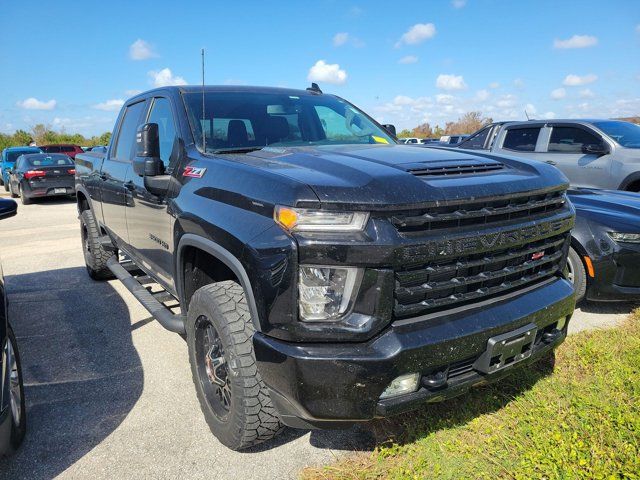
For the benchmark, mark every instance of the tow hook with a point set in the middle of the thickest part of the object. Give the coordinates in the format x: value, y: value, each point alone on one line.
x: 437, y: 380
x: 552, y: 336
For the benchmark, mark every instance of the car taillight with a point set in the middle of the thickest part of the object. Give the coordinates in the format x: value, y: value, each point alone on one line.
x: 71, y: 171
x: 34, y: 173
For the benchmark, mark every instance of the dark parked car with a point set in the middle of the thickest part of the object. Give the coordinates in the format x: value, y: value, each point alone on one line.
x: 13, y: 422
x: 42, y: 175
x: 325, y: 275
x: 604, y: 259
x: 68, y: 149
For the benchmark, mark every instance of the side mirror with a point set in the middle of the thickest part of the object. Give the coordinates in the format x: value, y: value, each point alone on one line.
x: 390, y: 128
x: 8, y: 207
x: 147, y: 162
x: 596, y: 148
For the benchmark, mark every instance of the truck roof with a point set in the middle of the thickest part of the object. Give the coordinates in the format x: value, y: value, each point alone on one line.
x: 229, y: 89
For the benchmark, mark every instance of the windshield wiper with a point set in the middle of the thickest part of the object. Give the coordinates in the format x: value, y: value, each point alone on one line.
x: 236, y: 150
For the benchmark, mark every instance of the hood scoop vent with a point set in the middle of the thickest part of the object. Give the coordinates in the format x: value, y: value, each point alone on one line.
x: 456, y: 167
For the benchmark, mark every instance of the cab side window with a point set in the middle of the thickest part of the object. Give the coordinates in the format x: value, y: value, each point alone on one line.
x: 477, y: 141
x: 126, y: 137
x: 162, y: 115
x: 571, y: 140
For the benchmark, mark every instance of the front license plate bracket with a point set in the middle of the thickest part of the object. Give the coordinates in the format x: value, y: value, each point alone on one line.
x: 507, y: 349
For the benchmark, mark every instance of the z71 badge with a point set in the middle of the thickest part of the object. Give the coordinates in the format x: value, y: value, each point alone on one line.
x: 194, y: 172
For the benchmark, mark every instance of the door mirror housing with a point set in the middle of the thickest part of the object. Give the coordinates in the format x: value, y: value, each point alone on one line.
x: 147, y: 162
x: 8, y: 208
x: 596, y: 148
x: 390, y: 128
x: 148, y: 167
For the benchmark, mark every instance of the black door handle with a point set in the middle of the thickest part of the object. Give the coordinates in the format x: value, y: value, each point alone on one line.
x: 102, y: 176
x: 550, y: 162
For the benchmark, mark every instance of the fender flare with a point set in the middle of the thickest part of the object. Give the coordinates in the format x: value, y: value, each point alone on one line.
x: 226, y: 257
x: 83, y: 190
x: 635, y: 176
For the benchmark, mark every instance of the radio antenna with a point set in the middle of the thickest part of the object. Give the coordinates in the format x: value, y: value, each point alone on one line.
x: 526, y: 114
x: 204, y: 138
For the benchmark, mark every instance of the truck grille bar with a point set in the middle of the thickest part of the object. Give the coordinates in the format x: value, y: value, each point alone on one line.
x: 442, y: 285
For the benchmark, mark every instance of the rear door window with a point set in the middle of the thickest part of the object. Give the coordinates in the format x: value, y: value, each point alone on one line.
x: 521, y: 139
x: 127, y: 134
x: 571, y: 140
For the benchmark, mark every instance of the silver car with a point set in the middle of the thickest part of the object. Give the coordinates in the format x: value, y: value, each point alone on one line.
x: 591, y: 153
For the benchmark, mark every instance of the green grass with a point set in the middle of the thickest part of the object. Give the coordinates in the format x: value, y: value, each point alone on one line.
x: 579, y: 418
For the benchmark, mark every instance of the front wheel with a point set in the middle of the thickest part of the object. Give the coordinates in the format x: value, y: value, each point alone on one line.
x: 577, y: 274
x: 15, y: 390
x: 234, y: 400
x: 95, y: 255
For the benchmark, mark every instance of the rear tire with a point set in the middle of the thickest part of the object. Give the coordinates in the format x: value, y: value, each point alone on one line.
x: 23, y: 198
x: 234, y: 400
x: 95, y: 255
x: 6, y: 187
x: 13, y: 194
x: 577, y: 274
x: 17, y: 407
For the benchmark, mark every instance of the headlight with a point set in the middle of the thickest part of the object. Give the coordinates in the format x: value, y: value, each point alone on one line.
x: 304, y: 220
x: 625, y: 237
x: 326, y: 293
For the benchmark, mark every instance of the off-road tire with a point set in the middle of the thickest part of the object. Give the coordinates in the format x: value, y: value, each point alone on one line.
x: 252, y: 418
x: 19, y: 429
x: 13, y: 194
x: 23, y: 198
x: 95, y: 255
x: 576, y: 267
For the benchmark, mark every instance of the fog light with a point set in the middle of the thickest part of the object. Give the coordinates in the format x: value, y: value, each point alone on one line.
x: 326, y: 293
x: 561, y: 323
x: 403, y: 384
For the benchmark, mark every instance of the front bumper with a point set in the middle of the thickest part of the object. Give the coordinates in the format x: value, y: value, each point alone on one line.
x: 617, y: 274
x: 331, y: 385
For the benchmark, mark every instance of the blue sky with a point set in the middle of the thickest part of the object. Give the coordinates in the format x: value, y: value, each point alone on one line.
x: 71, y: 64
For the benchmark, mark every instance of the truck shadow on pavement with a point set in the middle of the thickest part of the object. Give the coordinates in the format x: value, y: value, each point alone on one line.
x: 81, y: 371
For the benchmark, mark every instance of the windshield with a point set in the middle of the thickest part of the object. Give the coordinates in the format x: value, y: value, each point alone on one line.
x: 13, y: 156
x: 239, y: 120
x: 625, y: 133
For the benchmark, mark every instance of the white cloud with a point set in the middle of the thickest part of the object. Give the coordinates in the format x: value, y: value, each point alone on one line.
x: 408, y: 59
x: 577, y: 41
x: 482, y: 95
x: 110, y: 105
x: 458, y: 3
x: 518, y: 83
x: 417, y: 34
x: 35, y: 104
x: 403, y: 100
x: 165, y: 78
x: 558, y: 93
x: 327, y: 73
x: 507, y: 101
x: 531, y: 109
x: 355, y: 11
x: 494, y: 85
x: 450, y: 82
x: 549, y: 115
x: 141, y: 50
x: 133, y: 92
x: 340, y: 39
x: 445, y: 99
x: 577, y: 80
x: 587, y: 93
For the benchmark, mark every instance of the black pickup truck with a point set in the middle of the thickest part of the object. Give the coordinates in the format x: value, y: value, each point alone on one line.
x: 322, y: 274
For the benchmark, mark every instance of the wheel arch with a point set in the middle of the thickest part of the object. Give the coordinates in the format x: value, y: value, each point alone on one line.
x: 226, y: 258
x: 632, y: 179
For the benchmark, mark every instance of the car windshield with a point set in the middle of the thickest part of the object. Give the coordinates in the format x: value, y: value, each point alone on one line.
x: 13, y: 156
x: 625, y: 133
x: 243, y: 121
x: 49, y: 161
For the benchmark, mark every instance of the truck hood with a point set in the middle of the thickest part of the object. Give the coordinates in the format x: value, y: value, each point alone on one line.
x: 395, y: 176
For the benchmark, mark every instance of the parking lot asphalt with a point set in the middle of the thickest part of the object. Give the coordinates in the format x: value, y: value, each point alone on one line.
x: 109, y: 391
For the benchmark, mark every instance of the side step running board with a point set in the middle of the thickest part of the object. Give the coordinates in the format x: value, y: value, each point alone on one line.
x: 168, y: 320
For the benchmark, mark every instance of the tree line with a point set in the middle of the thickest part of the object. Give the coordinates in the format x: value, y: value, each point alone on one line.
x: 43, y: 135
x: 468, y: 123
